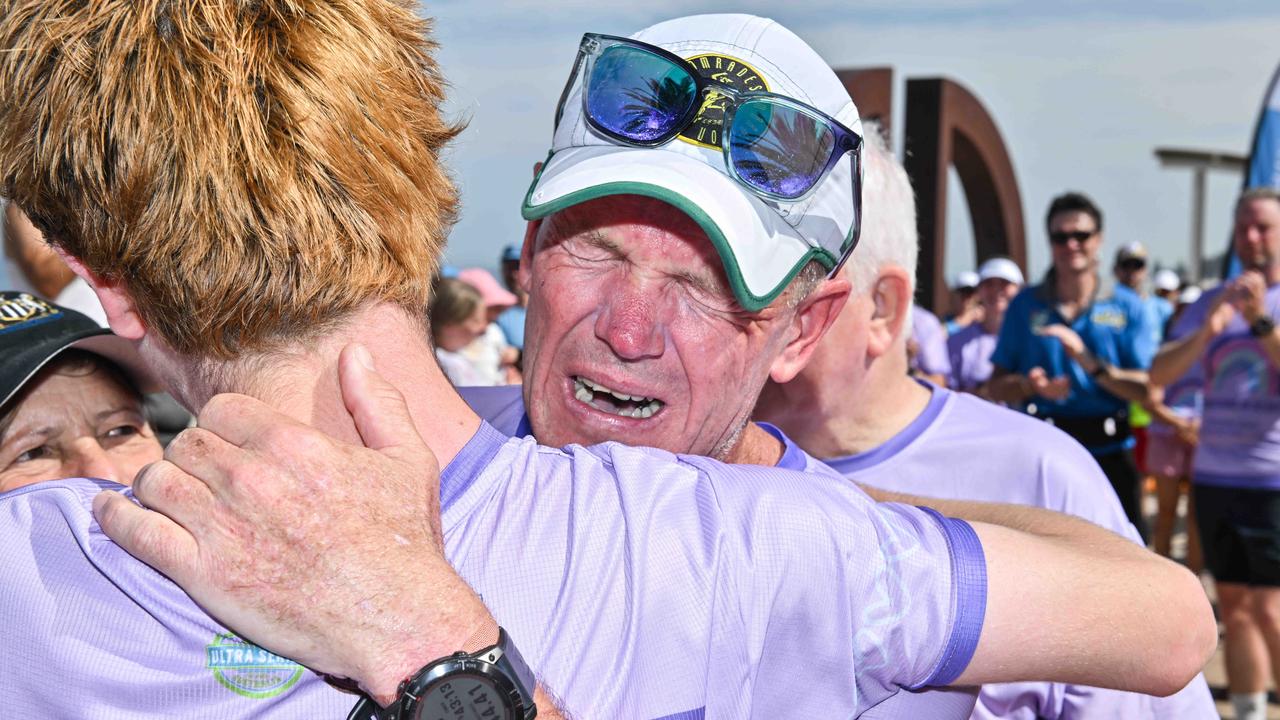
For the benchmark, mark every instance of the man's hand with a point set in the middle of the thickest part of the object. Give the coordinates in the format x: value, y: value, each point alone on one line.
x: 1188, y: 431
x: 1041, y: 384
x: 327, y: 553
x: 1248, y: 295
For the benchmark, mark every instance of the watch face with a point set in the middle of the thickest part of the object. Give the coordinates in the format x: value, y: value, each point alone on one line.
x: 463, y: 696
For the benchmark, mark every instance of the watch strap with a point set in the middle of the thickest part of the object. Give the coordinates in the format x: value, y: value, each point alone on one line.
x: 1262, y: 327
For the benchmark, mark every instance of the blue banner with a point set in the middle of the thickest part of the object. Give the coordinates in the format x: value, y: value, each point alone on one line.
x: 1264, y: 156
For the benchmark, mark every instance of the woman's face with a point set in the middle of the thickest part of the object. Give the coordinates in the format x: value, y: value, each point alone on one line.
x: 76, y: 423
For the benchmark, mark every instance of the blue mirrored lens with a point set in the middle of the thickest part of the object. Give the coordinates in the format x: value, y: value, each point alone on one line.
x: 637, y: 95
x: 778, y: 149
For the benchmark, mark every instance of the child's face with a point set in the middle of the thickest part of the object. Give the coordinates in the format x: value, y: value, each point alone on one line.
x: 456, y: 337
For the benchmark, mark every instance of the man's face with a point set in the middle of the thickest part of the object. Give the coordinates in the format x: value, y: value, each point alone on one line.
x: 1257, y: 234
x: 633, y: 334
x: 1074, y: 240
x: 995, y: 294
x: 1131, y: 272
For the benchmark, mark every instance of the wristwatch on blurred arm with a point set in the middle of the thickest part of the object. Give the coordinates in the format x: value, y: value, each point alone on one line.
x: 492, y: 683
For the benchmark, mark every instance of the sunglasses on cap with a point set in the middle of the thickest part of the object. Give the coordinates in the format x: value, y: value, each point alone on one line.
x: 1062, y: 238
x: 641, y: 95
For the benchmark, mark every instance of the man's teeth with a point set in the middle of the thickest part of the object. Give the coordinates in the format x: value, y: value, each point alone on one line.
x: 584, y: 390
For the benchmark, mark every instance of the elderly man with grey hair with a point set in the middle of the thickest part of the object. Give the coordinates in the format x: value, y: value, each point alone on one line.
x: 603, y: 343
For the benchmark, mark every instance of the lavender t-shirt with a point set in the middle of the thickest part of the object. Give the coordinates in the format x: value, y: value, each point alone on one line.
x: 504, y: 408
x: 931, y: 343
x: 965, y: 448
x: 635, y: 583
x: 970, y: 353
x: 1240, y: 432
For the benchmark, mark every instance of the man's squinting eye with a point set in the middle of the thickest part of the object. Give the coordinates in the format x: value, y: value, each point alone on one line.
x: 35, y: 453
x: 123, y: 431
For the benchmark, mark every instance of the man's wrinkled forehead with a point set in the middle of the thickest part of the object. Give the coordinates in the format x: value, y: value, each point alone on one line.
x: 644, y: 231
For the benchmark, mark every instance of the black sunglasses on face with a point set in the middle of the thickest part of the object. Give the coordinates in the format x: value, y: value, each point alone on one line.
x: 1062, y: 238
x: 1132, y: 264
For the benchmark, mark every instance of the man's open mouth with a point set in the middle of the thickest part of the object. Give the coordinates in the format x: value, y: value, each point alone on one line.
x: 613, y: 402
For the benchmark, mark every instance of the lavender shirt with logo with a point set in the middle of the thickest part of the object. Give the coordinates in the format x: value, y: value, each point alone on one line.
x: 779, y: 596
x: 1240, y: 432
x: 965, y: 448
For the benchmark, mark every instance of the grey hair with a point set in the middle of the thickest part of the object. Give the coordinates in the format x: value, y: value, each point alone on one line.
x: 1258, y: 193
x: 889, y: 237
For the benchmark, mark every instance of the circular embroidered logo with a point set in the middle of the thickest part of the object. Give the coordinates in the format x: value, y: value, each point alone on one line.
x: 723, y: 70
x: 248, y: 670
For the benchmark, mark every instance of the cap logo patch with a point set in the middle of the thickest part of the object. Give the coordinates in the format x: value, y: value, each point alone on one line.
x: 708, y: 124
x: 22, y: 308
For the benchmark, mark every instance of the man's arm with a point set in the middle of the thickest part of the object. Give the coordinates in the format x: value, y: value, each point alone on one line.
x: 1057, y: 609
x: 1126, y: 384
x: 1176, y: 357
x: 242, y: 516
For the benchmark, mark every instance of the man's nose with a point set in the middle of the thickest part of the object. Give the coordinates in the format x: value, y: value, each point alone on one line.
x: 632, y: 320
x: 89, y: 459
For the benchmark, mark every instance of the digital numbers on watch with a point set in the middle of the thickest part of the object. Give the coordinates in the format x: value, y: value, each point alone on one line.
x: 463, y: 696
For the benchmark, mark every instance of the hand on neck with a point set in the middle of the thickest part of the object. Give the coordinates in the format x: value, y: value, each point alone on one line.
x: 302, y: 381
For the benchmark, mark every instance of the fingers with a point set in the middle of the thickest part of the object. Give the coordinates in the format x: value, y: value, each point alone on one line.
x: 240, y: 419
x: 378, y: 409
x: 149, y: 536
x: 182, y: 486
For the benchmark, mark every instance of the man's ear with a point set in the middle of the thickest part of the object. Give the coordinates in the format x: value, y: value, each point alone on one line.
x: 892, y: 297
x: 122, y: 316
x: 813, y: 317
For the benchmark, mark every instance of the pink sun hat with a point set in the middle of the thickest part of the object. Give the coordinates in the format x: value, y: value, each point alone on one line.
x: 493, y: 294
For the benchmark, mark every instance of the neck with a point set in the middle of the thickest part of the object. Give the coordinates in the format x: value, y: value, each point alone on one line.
x: 303, y: 382
x: 862, y: 416
x: 1075, y: 286
x: 755, y: 446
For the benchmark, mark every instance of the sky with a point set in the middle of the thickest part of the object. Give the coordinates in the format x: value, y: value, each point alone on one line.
x: 1083, y: 92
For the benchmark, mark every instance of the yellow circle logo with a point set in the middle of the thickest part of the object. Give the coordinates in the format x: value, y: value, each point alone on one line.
x: 708, y: 124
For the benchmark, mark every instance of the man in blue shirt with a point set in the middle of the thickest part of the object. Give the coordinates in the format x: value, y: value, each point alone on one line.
x: 1075, y: 359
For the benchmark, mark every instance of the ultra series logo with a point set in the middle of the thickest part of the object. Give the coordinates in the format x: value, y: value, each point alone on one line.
x: 248, y: 670
x: 723, y: 70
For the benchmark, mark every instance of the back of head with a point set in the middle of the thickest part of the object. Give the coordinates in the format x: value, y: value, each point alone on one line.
x: 232, y: 164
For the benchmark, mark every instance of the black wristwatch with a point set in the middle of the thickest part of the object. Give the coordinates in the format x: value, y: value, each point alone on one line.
x: 1262, y: 327
x: 492, y: 683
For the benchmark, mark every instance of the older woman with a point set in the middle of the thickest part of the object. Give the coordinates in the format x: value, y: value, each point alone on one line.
x: 70, y: 397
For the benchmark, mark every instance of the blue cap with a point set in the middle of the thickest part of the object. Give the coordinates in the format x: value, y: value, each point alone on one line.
x: 511, y: 253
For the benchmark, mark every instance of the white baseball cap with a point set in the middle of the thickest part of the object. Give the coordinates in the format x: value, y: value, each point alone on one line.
x: 1189, y: 294
x: 966, y: 280
x: 762, y: 243
x: 1002, y: 268
x: 1166, y: 280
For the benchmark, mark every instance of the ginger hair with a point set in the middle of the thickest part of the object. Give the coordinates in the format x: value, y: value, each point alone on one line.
x: 250, y: 171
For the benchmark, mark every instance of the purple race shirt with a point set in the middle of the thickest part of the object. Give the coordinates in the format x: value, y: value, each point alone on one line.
x: 636, y: 583
x: 503, y: 407
x: 965, y: 448
x: 89, y: 632
x: 1240, y: 431
x: 970, y: 353
x: 931, y: 341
